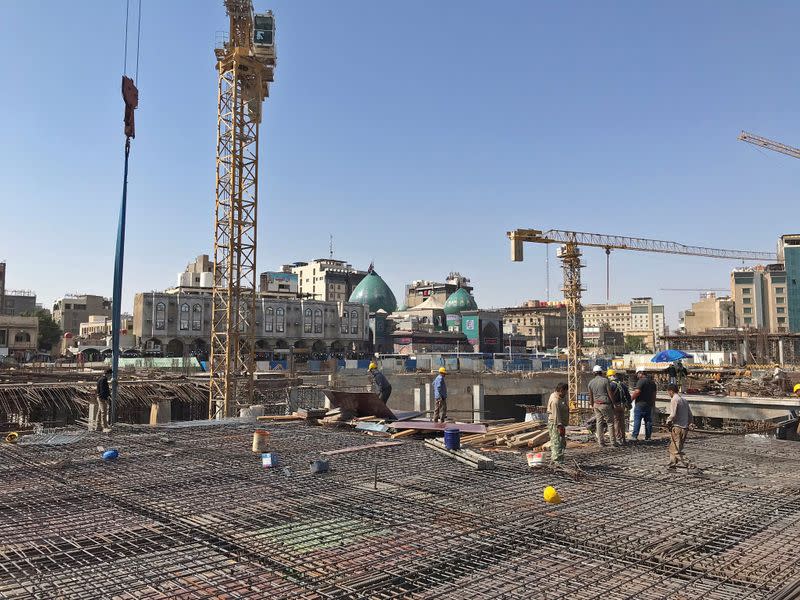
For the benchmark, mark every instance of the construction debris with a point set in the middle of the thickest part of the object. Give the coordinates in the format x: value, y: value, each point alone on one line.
x: 468, y: 457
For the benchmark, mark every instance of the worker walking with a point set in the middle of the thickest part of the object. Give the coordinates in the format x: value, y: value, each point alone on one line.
x: 440, y: 396
x: 380, y: 384
x: 602, y: 400
x: 557, y: 421
x: 622, y: 404
x: 680, y: 417
x: 644, y: 397
x: 100, y: 419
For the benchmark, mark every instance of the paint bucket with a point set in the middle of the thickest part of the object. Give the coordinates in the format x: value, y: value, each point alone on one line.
x: 535, y: 459
x: 260, y: 440
x: 452, y: 438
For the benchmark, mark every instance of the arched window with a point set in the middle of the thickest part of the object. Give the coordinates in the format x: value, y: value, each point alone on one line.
x: 22, y: 337
x: 161, y: 316
x: 269, y: 318
x: 318, y: 321
x: 184, y: 324
x: 354, y: 322
x: 197, y: 317
x: 345, y: 322
x: 307, y: 316
x: 279, y: 320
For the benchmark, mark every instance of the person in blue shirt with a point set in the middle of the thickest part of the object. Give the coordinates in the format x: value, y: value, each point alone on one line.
x: 440, y: 396
x: 382, y: 386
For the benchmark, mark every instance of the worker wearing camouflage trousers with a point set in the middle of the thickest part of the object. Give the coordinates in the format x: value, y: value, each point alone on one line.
x: 557, y: 421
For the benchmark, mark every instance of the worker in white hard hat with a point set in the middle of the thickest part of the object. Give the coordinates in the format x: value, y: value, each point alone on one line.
x: 602, y: 400
x: 379, y: 382
x: 440, y: 396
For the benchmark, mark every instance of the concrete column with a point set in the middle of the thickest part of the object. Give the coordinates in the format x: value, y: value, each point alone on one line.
x: 780, y: 352
x: 419, y: 394
x: 331, y: 385
x: 293, y: 398
x: 708, y: 346
x: 428, y: 396
x: 160, y: 412
x: 92, y: 425
x: 477, y: 402
x: 745, y: 350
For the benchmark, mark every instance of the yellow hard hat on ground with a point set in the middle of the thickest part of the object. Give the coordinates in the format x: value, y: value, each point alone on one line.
x: 551, y: 495
x: 442, y: 370
x: 372, y: 365
x: 796, y: 387
x: 610, y: 373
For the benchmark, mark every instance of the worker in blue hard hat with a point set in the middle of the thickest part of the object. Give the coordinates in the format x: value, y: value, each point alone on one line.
x: 379, y: 382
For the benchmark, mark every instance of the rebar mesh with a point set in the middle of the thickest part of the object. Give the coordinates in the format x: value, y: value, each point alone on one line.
x: 188, y: 512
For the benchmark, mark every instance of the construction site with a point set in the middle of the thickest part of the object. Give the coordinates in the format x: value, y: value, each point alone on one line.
x: 237, y: 481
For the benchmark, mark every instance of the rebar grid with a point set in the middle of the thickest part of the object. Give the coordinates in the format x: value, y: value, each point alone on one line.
x: 188, y: 512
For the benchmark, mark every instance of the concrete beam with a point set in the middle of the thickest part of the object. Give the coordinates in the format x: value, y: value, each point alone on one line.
x: 732, y: 407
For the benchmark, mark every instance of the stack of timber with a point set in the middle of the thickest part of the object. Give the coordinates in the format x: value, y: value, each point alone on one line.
x: 468, y: 457
x: 516, y: 435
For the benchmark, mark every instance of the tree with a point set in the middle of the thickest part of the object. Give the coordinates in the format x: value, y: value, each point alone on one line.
x: 635, y: 343
x: 49, y: 331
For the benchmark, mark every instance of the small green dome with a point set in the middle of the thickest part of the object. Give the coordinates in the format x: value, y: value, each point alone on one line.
x: 458, y: 301
x: 373, y: 291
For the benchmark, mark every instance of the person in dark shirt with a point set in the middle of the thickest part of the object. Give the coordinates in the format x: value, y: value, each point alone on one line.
x: 644, y: 397
x: 100, y: 420
x: 382, y: 386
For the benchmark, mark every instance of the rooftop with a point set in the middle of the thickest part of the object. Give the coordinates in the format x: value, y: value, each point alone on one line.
x: 187, y: 511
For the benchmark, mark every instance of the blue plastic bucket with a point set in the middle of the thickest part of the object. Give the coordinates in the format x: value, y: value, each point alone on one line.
x: 452, y: 438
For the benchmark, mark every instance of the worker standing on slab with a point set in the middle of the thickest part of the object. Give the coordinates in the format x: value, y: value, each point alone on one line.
x: 557, y: 420
x: 682, y: 373
x: 382, y: 386
x: 680, y: 417
x: 440, y: 396
x: 645, y: 398
x: 622, y: 404
x: 602, y: 399
x: 100, y: 419
x: 672, y: 373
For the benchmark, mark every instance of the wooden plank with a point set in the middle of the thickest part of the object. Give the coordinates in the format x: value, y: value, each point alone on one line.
x: 281, y: 418
x: 430, y: 426
x: 404, y: 433
x: 468, y: 457
x: 359, y: 448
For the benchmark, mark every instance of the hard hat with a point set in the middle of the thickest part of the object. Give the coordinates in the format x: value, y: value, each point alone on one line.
x: 372, y: 365
x: 442, y: 370
x: 551, y: 495
x: 597, y: 369
x: 796, y: 387
x: 611, y: 373
x: 640, y: 369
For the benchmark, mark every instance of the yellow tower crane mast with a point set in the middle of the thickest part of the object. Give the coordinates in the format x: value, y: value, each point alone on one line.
x: 245, y: 65
x: 569, y: 252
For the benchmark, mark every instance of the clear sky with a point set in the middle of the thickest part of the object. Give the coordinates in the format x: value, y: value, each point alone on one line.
x: 417, y: 133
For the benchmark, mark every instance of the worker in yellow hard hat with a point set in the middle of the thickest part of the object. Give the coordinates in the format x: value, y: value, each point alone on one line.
x: 796, y: 390
x: 440, y: 396
x: 380, y: 384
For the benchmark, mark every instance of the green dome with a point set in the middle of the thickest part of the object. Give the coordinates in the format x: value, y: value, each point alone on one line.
x: 373, y: 291
x: 458, y: 301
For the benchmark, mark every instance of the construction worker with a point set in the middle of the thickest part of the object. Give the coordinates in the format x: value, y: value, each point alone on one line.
x: 681, y: 374
x: 680, y: 417
x: 557, y: 421
x: 644, y: 397
x: 602, y: 399
x: 440, y: 396
x: 796, y: 390
x: 622, y: 404
x: 100, y: 419
x: 379, y: 382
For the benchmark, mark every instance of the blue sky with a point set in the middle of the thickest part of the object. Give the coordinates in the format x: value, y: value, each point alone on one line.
x: 417, y: 133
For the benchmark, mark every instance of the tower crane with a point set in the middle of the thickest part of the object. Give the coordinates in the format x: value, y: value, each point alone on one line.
x: 245, y: 65
x: 570, y: 254
x: 757, y: 140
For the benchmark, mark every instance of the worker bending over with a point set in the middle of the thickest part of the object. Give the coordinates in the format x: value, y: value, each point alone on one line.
x: 680, y: 417
x: 380, y: 384
x: 440, y: 396
x: 602, y: 399
x: 557, y: 420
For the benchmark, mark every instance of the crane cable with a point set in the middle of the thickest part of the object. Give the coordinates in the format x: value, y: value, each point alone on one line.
x: 138, y: 39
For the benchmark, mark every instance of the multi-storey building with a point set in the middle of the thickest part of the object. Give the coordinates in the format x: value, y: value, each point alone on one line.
x: 789, y: 254
x: 279, y: 284
x: 616, y: 316
x: 73, y: 309
x: 544, y: 324
x: 419, y: 291
x: 646, y: 316
x: 18, y: 336
x: 325, y: 279
x: 640, y: 318
x: 760, y: 297
x: 710, y: 312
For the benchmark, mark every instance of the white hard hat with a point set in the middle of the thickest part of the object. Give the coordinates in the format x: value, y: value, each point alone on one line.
x: 640, y: 369
x: 597, y: 369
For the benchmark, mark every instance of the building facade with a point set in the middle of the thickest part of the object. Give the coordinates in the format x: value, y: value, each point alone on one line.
x: 544, y: 324
x: 18, y: 336
x: 760, y: 297
x: 789, y: 255
x: 72, y: 310
x: 279, y: 284
x: 639, y: 316
x: 419, y: 291
x: 710, y: 312
x: 325, y: 279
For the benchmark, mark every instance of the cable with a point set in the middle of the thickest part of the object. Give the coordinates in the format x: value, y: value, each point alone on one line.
x: 138, y: 43
x: 125, y: 51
